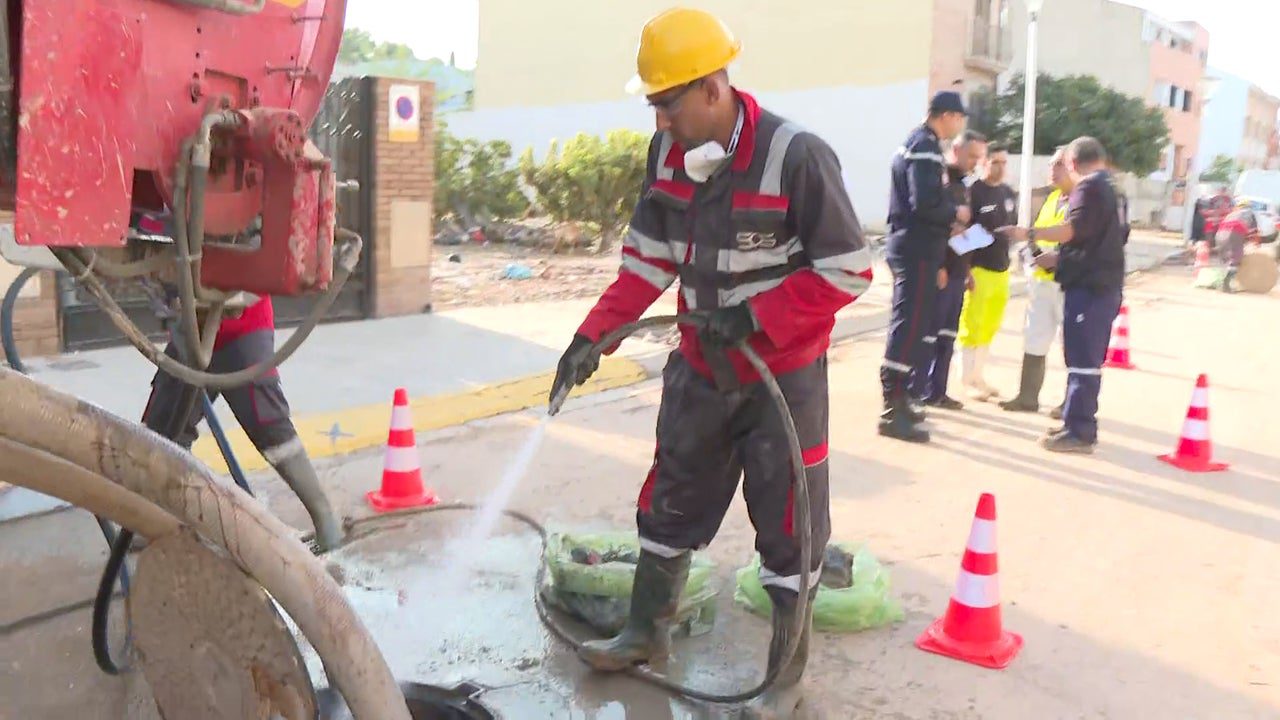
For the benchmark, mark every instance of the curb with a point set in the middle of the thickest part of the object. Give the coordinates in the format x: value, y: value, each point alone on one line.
x: 341, y: 432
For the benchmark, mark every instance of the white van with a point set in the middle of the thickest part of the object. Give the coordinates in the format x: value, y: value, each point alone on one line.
x: 1262, y: 189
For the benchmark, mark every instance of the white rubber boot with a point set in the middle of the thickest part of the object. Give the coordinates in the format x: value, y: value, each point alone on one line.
x: 980, y: 365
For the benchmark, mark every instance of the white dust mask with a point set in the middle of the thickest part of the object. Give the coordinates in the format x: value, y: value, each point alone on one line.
x: 701, y: 162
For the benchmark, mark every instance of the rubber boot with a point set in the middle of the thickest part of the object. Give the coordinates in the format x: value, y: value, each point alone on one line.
x: 896, y: 422
x: 915, y: 412
x: 300, y: 475
x: 968, y: 360
x: 1028, y: 398
x: 984, y: 391
x: 785, y: 696
x: 655, y: 597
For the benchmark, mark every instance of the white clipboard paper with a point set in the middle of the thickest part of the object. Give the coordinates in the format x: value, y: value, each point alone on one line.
x: 975, y: 237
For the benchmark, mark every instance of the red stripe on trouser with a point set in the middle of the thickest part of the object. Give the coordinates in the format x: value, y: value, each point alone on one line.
x: 645, y: 501
x: 815, y: 455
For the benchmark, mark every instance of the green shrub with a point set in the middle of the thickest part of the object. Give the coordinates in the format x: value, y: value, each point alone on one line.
x: 476, y: 181
x: 593, y: 180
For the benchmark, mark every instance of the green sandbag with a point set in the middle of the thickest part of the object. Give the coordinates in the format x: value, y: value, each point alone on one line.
x: 865, y: 604
x: 1209, y: 277
x: 600, y: 594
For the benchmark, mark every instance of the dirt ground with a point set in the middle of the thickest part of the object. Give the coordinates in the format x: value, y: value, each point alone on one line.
x: 472, y: 275
x: 1140, y: 590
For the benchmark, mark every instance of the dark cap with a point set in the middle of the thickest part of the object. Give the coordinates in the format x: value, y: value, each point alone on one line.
x: 945, y: 102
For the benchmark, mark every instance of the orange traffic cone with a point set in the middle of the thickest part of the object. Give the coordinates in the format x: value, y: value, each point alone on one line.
x: 971, y: 630
x: 401, y: 469
x: 1202, y: 255
x: 1195, y: 450
x: 1118, y: 348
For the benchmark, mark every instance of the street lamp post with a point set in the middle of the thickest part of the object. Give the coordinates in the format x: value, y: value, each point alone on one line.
x: 1028, y: 113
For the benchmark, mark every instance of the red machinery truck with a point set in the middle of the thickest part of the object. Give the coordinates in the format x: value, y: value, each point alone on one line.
x: 200, y: 107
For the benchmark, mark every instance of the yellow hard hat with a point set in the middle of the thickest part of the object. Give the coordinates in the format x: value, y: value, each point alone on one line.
x: 680, y: 46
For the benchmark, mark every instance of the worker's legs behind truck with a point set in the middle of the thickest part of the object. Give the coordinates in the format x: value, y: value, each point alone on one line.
x: 263, y: 412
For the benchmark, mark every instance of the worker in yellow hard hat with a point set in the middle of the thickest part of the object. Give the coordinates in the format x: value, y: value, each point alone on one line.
x: 751, y: 213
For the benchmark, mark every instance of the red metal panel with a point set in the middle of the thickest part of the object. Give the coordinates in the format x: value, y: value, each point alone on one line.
x: 110, y: 88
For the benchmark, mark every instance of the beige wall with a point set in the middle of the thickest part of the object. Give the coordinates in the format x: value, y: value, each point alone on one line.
x: 1259, y: 128
x: 559, y: 52
x: 953, y: 55
x: 1087, y: 37
x: 950, y: 38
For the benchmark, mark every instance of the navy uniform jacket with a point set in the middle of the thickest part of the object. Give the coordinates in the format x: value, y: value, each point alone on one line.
x: 920, y: 210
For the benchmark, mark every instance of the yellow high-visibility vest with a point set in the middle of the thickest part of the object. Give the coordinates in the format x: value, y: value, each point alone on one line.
x: 1053, y: 212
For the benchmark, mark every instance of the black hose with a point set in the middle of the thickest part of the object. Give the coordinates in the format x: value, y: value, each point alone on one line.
x: 173, y: 426
x: 6, y: 318
x: 802, y: 521
x: 224, y: 446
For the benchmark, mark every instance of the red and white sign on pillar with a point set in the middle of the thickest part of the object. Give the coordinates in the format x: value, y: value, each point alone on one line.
x: 403, y: 112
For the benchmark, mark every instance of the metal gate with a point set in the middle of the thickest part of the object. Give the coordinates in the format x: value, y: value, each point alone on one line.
x: 345, y: 131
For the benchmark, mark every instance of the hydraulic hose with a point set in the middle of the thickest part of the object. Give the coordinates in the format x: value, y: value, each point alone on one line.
x: 224, y: 446
x: 120, y: 546
x: 6, y: 318
x: 345, y: 258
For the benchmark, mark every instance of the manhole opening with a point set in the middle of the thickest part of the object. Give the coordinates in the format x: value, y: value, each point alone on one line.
x: 426, y: 702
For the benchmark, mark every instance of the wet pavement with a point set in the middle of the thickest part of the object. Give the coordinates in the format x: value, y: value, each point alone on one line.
x: 447, y: 615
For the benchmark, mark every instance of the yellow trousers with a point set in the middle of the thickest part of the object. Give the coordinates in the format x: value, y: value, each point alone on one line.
x: 983, y: 309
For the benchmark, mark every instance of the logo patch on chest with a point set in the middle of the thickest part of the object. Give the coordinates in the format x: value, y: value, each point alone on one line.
x: 757, y: 241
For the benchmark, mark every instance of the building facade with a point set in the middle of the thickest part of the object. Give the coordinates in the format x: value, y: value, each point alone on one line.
x: 1130, y: 50
x: 1258, y: 142
x: 859, y: 73
x: 1240, y: 122
x: 1179, y: 56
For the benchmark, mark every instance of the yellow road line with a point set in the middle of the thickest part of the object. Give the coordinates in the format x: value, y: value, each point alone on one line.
x: 358, y: 428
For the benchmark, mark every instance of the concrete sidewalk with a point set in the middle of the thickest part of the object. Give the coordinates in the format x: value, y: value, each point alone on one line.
x: 458, y: 366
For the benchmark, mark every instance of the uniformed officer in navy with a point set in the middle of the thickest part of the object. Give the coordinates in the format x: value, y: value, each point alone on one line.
x: 1089, y: 265
x: 921, y: 215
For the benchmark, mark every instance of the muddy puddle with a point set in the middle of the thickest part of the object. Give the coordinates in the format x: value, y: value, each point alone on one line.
x: 467, y: 616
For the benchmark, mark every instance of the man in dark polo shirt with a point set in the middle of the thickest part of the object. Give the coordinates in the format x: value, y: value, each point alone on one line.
x: 994, y: 206
x: 1089, y: 265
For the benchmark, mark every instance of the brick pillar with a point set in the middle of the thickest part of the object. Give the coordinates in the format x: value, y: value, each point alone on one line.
x: 36, y: 329
x: 404, y: 184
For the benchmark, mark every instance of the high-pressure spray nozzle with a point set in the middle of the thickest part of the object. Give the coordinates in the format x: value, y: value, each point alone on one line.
x: 557, y: 401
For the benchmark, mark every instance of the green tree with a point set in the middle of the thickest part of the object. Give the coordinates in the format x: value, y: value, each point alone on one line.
x: 476, y: 182
x: 1222, y: 170
x: 1133, y: 133
x: 358, y: 46
x: 592, y: 180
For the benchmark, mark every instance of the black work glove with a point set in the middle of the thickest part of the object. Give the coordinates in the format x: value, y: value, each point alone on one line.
x: 578, y: 363
x: 730, y: 326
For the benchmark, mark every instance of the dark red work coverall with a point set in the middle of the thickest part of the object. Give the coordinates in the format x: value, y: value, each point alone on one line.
x: 774, y: 229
